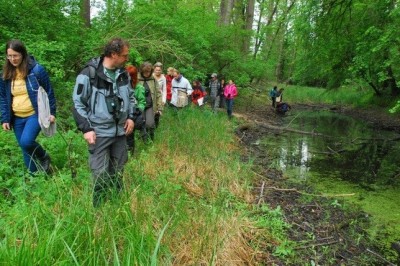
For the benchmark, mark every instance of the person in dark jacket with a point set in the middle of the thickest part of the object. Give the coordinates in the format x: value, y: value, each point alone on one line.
x: 104, y: 107
x: 19, y: 86
x: 273, y: 94
x: 222, y: 100
x: 215, y: 91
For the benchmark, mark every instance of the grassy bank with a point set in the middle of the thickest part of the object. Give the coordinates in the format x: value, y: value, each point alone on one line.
x: 346, y: 95
x: 186, y: 202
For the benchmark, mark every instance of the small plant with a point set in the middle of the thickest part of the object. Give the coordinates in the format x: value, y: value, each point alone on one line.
x: 285, y: 249
x: 336, y: 204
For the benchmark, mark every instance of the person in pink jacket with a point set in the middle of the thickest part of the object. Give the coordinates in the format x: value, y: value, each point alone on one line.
x: 230, y: 92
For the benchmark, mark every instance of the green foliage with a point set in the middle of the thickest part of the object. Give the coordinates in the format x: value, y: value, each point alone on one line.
x: 274, y: 221
x: 177, y: 190
x: 347, y: 41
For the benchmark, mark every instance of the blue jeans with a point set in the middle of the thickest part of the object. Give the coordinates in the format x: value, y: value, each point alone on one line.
x: 26, y: 129
x: 229, y: 107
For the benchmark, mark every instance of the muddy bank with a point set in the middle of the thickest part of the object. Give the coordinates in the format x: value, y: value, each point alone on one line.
x: 324, y: 231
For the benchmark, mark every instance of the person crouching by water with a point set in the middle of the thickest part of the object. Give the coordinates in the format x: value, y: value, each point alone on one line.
x: 230, y: 92
x: 19, y: 86
x: 181, y: 89
x: 154, y: 105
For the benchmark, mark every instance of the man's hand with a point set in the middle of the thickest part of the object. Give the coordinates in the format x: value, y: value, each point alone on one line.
x: 129, y: 126
x: 90, y: 137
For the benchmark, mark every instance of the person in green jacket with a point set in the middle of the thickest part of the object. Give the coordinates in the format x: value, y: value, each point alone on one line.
x: 154, y: 105
x: 140, y: 104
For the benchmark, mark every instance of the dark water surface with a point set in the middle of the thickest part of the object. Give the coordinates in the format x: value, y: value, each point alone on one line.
x: 348, y: 157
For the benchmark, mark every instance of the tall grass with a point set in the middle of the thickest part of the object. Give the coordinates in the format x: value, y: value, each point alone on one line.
x: 183, y: 204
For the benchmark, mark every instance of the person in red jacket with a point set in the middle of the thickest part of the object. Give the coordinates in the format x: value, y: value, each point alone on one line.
x: 198, y: 93
x: 169, y: 77
x: 230, y: 92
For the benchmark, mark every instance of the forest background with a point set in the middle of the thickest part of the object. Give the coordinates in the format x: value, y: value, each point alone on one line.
x: 327, y: 43
x: 332, y: 44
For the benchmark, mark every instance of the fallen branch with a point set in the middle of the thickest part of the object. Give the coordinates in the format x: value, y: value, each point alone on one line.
x: 292, y: 120
x: 379, y: 256
x: 289, y: 129
x: 309, y: 194
x: 333, y: 151
x: 318, y: 244
x: 300, y: 192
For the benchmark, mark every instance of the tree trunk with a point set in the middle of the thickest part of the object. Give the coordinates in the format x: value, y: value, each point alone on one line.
x: 226, y: 7
x: 279, y: 71
x: 85, y: 12
x: 259, y: 37
x: 261, y: 25
x: 249, y: 18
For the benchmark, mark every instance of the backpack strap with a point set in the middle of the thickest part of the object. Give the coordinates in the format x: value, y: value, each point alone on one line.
x: 94, y: 78
x: 92, y: 75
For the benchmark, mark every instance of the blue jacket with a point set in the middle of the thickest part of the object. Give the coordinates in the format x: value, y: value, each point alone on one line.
x: 36, y: 75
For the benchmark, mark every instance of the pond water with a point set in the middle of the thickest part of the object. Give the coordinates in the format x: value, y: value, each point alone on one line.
x: 347, y: 157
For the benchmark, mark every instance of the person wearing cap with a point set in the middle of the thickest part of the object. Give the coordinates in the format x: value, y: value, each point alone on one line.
x: 215, y: 87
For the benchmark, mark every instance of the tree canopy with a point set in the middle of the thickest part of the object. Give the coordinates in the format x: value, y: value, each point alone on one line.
x: 316, y: 43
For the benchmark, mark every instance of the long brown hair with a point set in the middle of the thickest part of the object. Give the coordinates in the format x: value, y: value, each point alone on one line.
x: 9, y: 71
x: 133, y: 73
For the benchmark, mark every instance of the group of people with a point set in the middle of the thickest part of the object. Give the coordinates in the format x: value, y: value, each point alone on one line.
x: 278, y: 104
x: 111, y: 101
x: 221, y: 94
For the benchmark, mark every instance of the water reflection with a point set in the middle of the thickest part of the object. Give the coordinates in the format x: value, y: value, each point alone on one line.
x: 349, y: 149
x: 296, y: 158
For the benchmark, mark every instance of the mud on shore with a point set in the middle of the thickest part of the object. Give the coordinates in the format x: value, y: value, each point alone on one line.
x: 324, y: 233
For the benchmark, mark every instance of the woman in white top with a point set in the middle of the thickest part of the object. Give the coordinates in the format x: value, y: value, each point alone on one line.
x: 159, y: 76
x: 181, y: 89
x: 162, y: 81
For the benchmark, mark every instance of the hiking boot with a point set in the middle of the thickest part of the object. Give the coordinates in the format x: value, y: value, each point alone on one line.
x: 44, y: 163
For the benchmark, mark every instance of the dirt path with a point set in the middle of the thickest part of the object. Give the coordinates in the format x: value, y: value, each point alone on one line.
x: 324, y: 233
